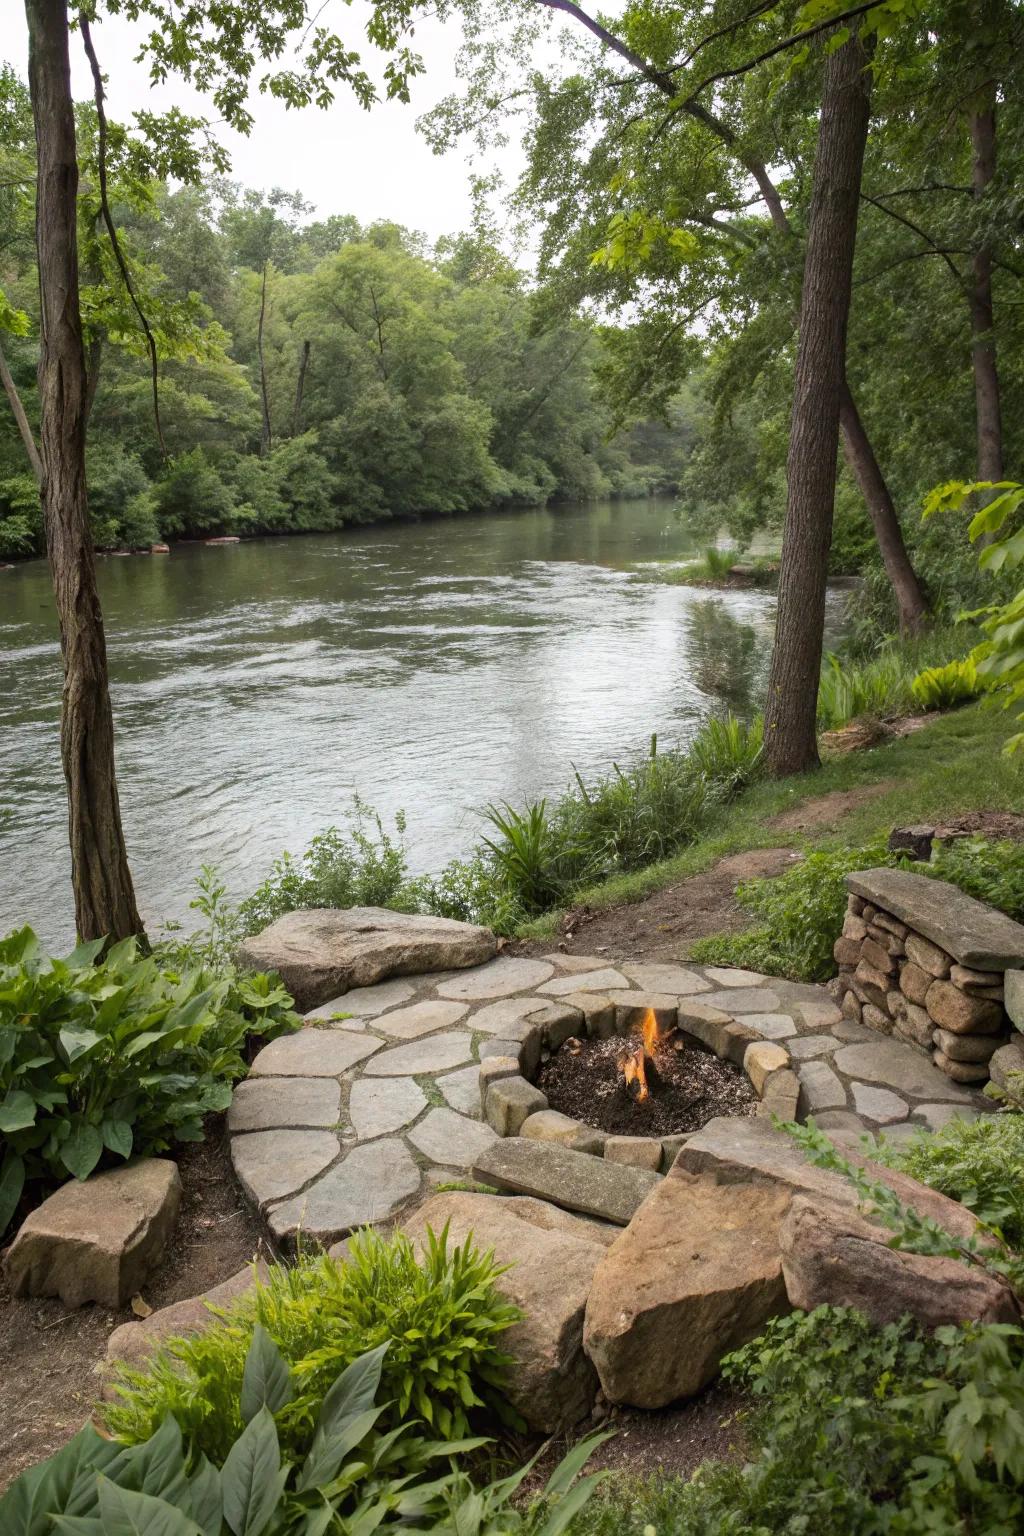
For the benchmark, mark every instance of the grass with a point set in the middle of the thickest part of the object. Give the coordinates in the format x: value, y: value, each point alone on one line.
x: 713, y: 566
x: 954, y: 764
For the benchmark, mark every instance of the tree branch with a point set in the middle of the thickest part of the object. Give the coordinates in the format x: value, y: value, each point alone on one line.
x: 918, y: 231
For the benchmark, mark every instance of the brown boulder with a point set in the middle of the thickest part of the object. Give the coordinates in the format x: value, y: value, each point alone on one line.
x: 135, y: 1343
x: 97, y: 1239
x: 552, y: 1258
x: 914, y: 982
x: 962, y: 1015
x: 832, y: 1256
x: 878, y: 957
x: 696, y: 1274
x: 927, y: 956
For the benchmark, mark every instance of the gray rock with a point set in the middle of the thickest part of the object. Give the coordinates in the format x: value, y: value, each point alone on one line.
x: 1007, y: 1061
x: 936, y: 1116
x: 99, y: 1238
x: 973, y: 933
x: 462, y: 1090
x: 313, y: 1053
x: 577, y: 963
x: 379, y: 1106
x: 509, y: 1101
x: 632, y: 1008
x: 732, y: 976
x: 421, y: 1019
x: 715, y: 1029
x: 499, y: 978
x: 436, y: 1053
x: 598, y: 1012
x: 367, y: 1002
x: 851, y: 1030
x: 634, y: 1151
x: 967, y: 1047
x: 557, y: 1022
x: 452, y: 1139
x: 372, y: 1183
x: 273, y: 1164
x: 809, y: 1046
x: 551, y: 1257
x: 1013, y: 996
x: 900, y: 1068
x: 743, y: 1000
x: 323, y: 953
x: 674, y: 979
x: 549, y: 1125
x: 735, y: 1150
x: 506, y: 1014
x: 491, y: 1070
x: 605, y: 980
x: 878, y: 1104
x: 574, y: 1180
x: 771, y: 1026
x: 961, y: 1071
x: 263, y: 1104
x: 820, y: 1088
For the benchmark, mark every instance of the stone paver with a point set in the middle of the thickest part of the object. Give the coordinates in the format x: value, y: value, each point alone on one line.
x: 356, y: 1120
x: 421, y: 1019
x: 435, y: 1053
x: 446, y: 1137
x: 313, y: 1053
x: 379, y: 1106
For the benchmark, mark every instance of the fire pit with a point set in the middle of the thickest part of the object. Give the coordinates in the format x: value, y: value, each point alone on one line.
x: 651, y: 1083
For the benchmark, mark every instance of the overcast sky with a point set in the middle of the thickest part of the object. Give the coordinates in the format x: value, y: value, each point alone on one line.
x: 344, y: 160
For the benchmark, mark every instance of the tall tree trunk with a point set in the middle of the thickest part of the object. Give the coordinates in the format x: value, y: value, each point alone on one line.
x: 791, y: 744
x: 104, y: 897
x: 27, y: 436
x: 910, y: 603
x: 299, y: 387
x: 265, y: 440
x: 982, y: 122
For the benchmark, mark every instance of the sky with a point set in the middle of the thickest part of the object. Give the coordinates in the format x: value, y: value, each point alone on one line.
x: 344, y: 160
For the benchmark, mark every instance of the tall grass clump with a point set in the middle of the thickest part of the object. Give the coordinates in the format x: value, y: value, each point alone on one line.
x: 883, y: 684
x: 726, y: 751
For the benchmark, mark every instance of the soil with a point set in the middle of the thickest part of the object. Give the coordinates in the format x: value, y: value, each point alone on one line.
x: 997, y: 826
x: 687, y: 1087
x: 664, y: 924
x: 50, y: 1356
x: 824, y: 812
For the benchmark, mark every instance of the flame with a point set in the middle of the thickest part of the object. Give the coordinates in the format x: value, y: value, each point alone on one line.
x: 634, y: 1066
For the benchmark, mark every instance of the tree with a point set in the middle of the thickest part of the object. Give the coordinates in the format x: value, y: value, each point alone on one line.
x: 791, y: 743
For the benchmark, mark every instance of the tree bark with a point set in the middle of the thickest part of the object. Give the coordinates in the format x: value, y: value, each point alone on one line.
x: 910, y: 602
x: 299, y: 387
x: 265, y: 440
x: 27, y: 435
x: 791, y: 744
x: 982, y: 122
x: 104, y: 896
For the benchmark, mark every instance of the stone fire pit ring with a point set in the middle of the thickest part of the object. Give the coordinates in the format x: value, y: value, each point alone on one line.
x: 513, y: 1105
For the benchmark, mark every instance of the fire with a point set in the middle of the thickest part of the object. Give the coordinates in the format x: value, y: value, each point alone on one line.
x: 634, y: 1065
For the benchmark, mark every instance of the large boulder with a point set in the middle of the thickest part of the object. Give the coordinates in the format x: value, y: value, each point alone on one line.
x: 551, y: 1257
x: 97, y: 1239
x: 323, y: 953
x: 696, y: 1274
x: 831, y: 1256
x: 135, y: 1343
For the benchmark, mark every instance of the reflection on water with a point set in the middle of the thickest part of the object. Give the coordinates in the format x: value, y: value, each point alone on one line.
x: 432, y: 667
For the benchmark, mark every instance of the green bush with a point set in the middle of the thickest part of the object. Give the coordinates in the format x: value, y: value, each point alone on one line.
x: 977, y: 1162
x: 850, y: 689
x: 944, y: 687
x: 991, y: 872
x: 103, y: 1058
x: 801, y: 915
x: 441, y: 1317
x: 726, y: 752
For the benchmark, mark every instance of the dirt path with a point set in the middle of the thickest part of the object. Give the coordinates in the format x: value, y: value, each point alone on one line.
x: 824, y: 812
x: 49, y: 1356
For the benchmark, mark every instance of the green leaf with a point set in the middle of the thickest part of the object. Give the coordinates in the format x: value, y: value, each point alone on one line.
x: 331, y: 1446
x: 126, y: 1513
x: 12, y: 1182
x: 27, y: 1506
x: 17, y: 1112
x: 77, y: 1041
x: 570, y: 1505
x: 251, y: 1478
x: 573, y: 1463
x: 207, y: 1501
x: 266, y: 1380
x: 117, y: 1137
x: 82, y: 1150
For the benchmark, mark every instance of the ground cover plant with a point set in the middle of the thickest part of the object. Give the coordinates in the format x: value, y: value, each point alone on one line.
x: 106, y: 1055
x: 440, y: 1315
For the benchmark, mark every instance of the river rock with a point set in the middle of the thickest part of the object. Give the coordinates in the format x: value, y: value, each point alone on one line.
x: 831, y: 1256
x: 551, y: 1257
x: 696, y: 1274
x: 97, y: 1239
x: 321, y: 954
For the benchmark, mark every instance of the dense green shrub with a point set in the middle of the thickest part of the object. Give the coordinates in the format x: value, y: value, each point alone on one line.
x: 726, y: 751
x: 943, y: 687
x: 977, y: 1162
x: 992, y: 872
x: 100, y: 1058
x: 440, y: 1315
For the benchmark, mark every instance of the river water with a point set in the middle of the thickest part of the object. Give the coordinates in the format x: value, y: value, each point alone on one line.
x: 427, y: 667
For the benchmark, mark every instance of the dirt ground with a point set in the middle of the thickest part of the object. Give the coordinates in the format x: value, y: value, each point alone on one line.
x: 49, y: 1356
x: 662, y: 925
x: 825, y: 812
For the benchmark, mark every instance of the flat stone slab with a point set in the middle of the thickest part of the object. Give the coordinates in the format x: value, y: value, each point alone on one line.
x: 378, y: 1106
x: 261, y: 1104
x: 741, y: 1150
x: 367, y: 1002
x: 820, y: 1088
x: 743, y: 1000
x: 321, y: 954
x: 506, y: 1014
x: 420, y: 1019
x: 809, y: 1046
x: 313, y: 1052
x: 771, y: 1026
x: 879, y: 1104
x: 976, y: 935
x: 462, y: 1090
x: 498, y: 979
x: 732, y: 976
x: 452, y: 1139
x: 604, y: 980
x: 435, y: 1053
x: 97, y: 1239
x: 675, y: 979
x: 270, y: 1165
x: 575, y: 1180
x: 906, y: 1071
x: 371, y: 1184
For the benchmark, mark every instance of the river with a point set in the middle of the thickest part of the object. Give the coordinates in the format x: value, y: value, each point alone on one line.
x: 427, y: 667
